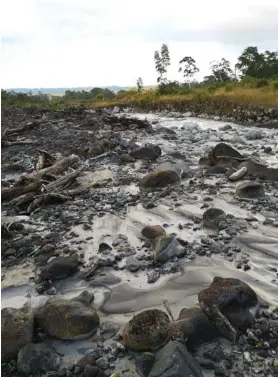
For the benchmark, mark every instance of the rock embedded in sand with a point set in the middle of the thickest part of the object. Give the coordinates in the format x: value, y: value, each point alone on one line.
x: 212, y: 217
x: 166, y: 247
x: 132, y: 264
x: 174, y: 360
x: 67, y: 319
x: 93, y: 371
x: 60, y: 268
x: 158, y: 180
x: 152, y: 231
x: 250, y: 190
x: 148, y: 330
x: 17, y: 326
x: 146, y: 152
x: 233, y: 298
x: 125, y: 157
x: 34, y: 359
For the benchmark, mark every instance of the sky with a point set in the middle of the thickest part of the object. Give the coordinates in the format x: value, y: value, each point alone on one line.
x: 70, y: 43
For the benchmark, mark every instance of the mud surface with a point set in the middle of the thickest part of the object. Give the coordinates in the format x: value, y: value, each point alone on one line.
x: 113, y: 211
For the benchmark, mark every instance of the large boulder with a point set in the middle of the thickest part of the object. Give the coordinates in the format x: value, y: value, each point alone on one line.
x: 220, y: 150
x: 250, y: 190
x: 146, y: 152
x: 34, y: 359
x: 233, y: 298
x: 174, y: 360
x: 166, y: 247
x: 17, y: 326
x: 158, y: 180
x: 212, y: 217
x: 67, y: 319
x: 253, y: 134
x: 59, y: 268
x: 148, y: 330
x: 152, y: 231
x: 194, y: 325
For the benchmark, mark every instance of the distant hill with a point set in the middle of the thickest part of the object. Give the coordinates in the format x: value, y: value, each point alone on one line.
x: 61, y: 91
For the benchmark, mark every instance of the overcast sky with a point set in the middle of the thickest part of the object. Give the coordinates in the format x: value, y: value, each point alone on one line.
x: 67, y: 43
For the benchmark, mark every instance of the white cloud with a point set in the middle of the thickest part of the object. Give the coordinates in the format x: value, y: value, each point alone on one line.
x: 52, y: 43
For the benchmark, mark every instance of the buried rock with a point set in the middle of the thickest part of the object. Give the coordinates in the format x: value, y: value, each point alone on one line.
x: 213, y: 218
x: 146, y: 152
x: 250, y: 190
x: 34, y: 359
x: 231, y: 299
x: 166, y: 247
x: 67, y: 319
x: 174, y: 360
x: 158, y: 180
x: 148, y: 330
x: 17, y: 327
x: 152, y: 231
x: 60, y: 268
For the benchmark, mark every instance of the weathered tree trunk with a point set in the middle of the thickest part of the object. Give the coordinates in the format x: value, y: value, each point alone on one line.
x: 14, y: 192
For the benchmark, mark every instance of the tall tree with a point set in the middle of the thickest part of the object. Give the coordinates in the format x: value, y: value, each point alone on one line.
x: 162, y: 62
x: 255, y: 64
x: 139, y: 84
x: 221, y: 70
x: 188, y: 67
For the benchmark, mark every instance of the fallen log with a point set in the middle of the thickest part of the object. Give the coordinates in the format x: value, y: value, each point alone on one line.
x: 23, y: 199
x: 6, y: 143
x: 64, y: 181
x: 56, y: 169
x: 15, y: 191
x: 51, y: 197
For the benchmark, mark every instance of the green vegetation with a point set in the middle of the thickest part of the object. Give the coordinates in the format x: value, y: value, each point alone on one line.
x: 253, y: 81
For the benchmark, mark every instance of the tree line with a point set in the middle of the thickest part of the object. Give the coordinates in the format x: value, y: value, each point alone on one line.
x: 251, y: 63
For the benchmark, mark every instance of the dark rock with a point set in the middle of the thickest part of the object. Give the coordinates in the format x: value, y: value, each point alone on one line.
x: 148, y: 330
x: 124, y: 157
x: 174, y: 360
x: 144, y: 363
x: 233, y: 298
x: 34, y: 359
x: 196, y: 327
x: 147, y: 152
x: 67, y: 319
x: 212, y: 217
x: 17, y: 326
x: 104, y: 247
x: 133, y: 264
x: 108, y: 330
x: 226, y: 127
x: 167, y: 247
x: 60, y: 268
x: 93, y: 371
x: 153, y: 276
x: 86, y: 360
x: 85, y: 296
x: 267, y: 149
x: 158, y: 180
x: 221, y: 149
x: 250, y: 190
x: 165, y: 131
x: 152, y: 231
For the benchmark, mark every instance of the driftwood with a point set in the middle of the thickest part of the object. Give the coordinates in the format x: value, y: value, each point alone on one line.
x: 62, y: 182
x: 18, y: 130
x: 45, y: 160
x: 14, y: 192
x: 6, y: 143
x: 23, y: 199
x: 56, y: 169
x: 46, y: 199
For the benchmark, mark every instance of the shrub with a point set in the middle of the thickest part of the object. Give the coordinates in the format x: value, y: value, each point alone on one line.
x: 229, y: 87
x: 261, y: 83
x: 172, y: 87
x: 275, y: 85
x: 212, y: 88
